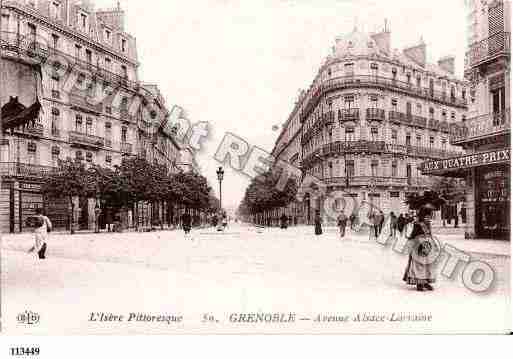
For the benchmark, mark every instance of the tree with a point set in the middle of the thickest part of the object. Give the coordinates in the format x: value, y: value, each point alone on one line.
x: 70, y: 180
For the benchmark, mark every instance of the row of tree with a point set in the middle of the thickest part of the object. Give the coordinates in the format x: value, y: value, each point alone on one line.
x: 263, y: 194
x: 127, y: 185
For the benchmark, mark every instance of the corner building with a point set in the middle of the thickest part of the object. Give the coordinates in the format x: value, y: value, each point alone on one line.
x: 485, y: 135
x: 371, y: 116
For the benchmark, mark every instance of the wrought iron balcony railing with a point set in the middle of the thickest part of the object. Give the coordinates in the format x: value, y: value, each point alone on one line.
x: 36, y: 130
x: 375, y: 114
x: 349, y: 114
x: 86, y: 140
x: 26, y: 45
x: 358, y: 81
x: 363, y: 146
x: 487, y: 49
x: 25, y: 170
x: 126, y: 147
x: 481, y: 127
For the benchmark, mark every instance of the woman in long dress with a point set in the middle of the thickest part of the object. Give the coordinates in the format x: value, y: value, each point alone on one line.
x: 419, y: 270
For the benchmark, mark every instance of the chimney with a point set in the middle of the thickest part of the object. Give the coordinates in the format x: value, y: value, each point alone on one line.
x: 447, y: 63
x: 417, y: 53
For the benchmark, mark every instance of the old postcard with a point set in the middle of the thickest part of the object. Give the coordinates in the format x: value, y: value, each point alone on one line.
x: 254, y: 167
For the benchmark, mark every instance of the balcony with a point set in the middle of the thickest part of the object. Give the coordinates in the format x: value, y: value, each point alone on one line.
x: 24, y: 170
x: 35, y: 130
x: 126, y: 147
x: 428, y: 152
x: 86, y: 141
x: 368, y: 181
x: 375, y: 114
x: 481, y: 127
x: 349, y: 114
x: 56, y: 133
x: 488, y: 49
x: 367, y: 81
x: 419, y: 182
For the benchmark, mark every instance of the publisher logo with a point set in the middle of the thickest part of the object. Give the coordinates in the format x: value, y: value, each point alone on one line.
x: 28, y: 318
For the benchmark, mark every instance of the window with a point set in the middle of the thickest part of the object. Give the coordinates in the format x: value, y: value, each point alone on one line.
x: 107, y: 35
x: 32, y: 153
x: 55, y: 41
x: 408, y: 109
x: 55, y: 122
x: 444, y: 115
x: 124, y: 71
x: 89, y: 56
x: 394, y: 168
x: 498, y: 100
x: 394, y: 104
x: 89, y: 157
x: 79, y: 155
x: 349, y: 69
x: 394, y: 73
x: 453, y: 92
x: 5, y: 23
x: 444, y: 143
x: 374, y: 101
x: 408, y: 170
x: 349, y: 134
x: 56, y: 151
x: 453, y: 116
x: 408, y: 139
x: 108, y: 159
x: 419, y: 109
x: 419, y: 140
x: 394, y: 136
x: 464, y: 94
x: 431, y: 141
x: 123, y: 45
x: 124, y: 131
x: 78, y: 123
x: 108, y: 64
x: 55, y: 81
x: 350, y: 168
x: 78, y: 51
x: 374, y: 169
x: 32, y: 31
x: 349, y: 102
x: 80, y: 79
x: 374, y: 69
x: 463, y: 118
x: 89, y: 126
x: 408, y: 78
x: 83, y: 21
x: 330, y: 169
x: 55, y: 10
x: 431, y: 113
x: 419, y: 81
x: 108, y: 110
x: 374, y: 134
x: 394, y: 194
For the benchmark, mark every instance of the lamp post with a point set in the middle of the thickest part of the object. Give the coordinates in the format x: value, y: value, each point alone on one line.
x: 220, y: 177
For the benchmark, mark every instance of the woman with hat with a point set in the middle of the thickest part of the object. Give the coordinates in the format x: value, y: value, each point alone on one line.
x: 424, y: 250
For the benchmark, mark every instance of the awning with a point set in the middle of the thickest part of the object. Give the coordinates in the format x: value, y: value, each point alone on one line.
x: 15, y: 114
x: 456, y: 166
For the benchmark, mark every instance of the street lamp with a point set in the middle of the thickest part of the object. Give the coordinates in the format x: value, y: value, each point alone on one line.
x: 220, y: 176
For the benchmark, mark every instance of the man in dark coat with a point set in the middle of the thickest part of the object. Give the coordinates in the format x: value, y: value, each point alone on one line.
x: 284, y: 221
x: 186, y: 224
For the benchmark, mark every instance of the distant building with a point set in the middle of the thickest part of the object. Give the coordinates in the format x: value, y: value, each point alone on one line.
x: 370, y: 117
x: 485, y: 135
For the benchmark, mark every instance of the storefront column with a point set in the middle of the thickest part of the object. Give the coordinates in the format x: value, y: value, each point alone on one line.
x: 471, y: 197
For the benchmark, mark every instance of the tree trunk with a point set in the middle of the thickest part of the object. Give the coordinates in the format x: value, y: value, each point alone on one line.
x: 72, y: 224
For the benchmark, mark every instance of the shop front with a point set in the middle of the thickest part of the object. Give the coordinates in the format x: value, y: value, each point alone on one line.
x: 487, y: 191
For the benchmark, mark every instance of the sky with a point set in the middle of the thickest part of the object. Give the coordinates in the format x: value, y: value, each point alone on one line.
x: 239, y: 65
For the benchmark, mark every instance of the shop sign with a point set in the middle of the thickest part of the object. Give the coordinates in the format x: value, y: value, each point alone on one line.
x: 468, y: 161
x: 30, y: 186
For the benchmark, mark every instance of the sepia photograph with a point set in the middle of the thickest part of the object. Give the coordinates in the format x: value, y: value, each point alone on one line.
x: 254, y: 167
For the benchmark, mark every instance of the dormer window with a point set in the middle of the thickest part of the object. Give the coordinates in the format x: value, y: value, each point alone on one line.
x: 55, y: 10
x: 107, y: 35
x: 123, y: 45
x: 83, y: 21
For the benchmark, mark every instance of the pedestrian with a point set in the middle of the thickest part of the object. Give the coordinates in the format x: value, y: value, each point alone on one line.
x: 318, y: 223
x: 342, y: 223
x: 108, y: 219
x: 186, y: 224
x: 43, y: 226
x: 401, y: 222
x: 419, y: 270
x: 97, y: 213
x: 381, y: 220
x: 393, y: 225
x: 225, y: 221
x: 284, y: 221
x: 352, y: 220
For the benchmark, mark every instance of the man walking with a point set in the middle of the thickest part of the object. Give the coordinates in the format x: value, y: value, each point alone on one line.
x: 342, y: 223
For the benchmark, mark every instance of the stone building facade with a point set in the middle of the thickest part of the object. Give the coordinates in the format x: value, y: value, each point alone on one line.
x: 371, y: 116
x: 74, y: 69
x: 485, y: 135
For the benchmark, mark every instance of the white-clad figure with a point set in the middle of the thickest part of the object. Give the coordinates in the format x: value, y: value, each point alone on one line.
x: 43, y: 226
